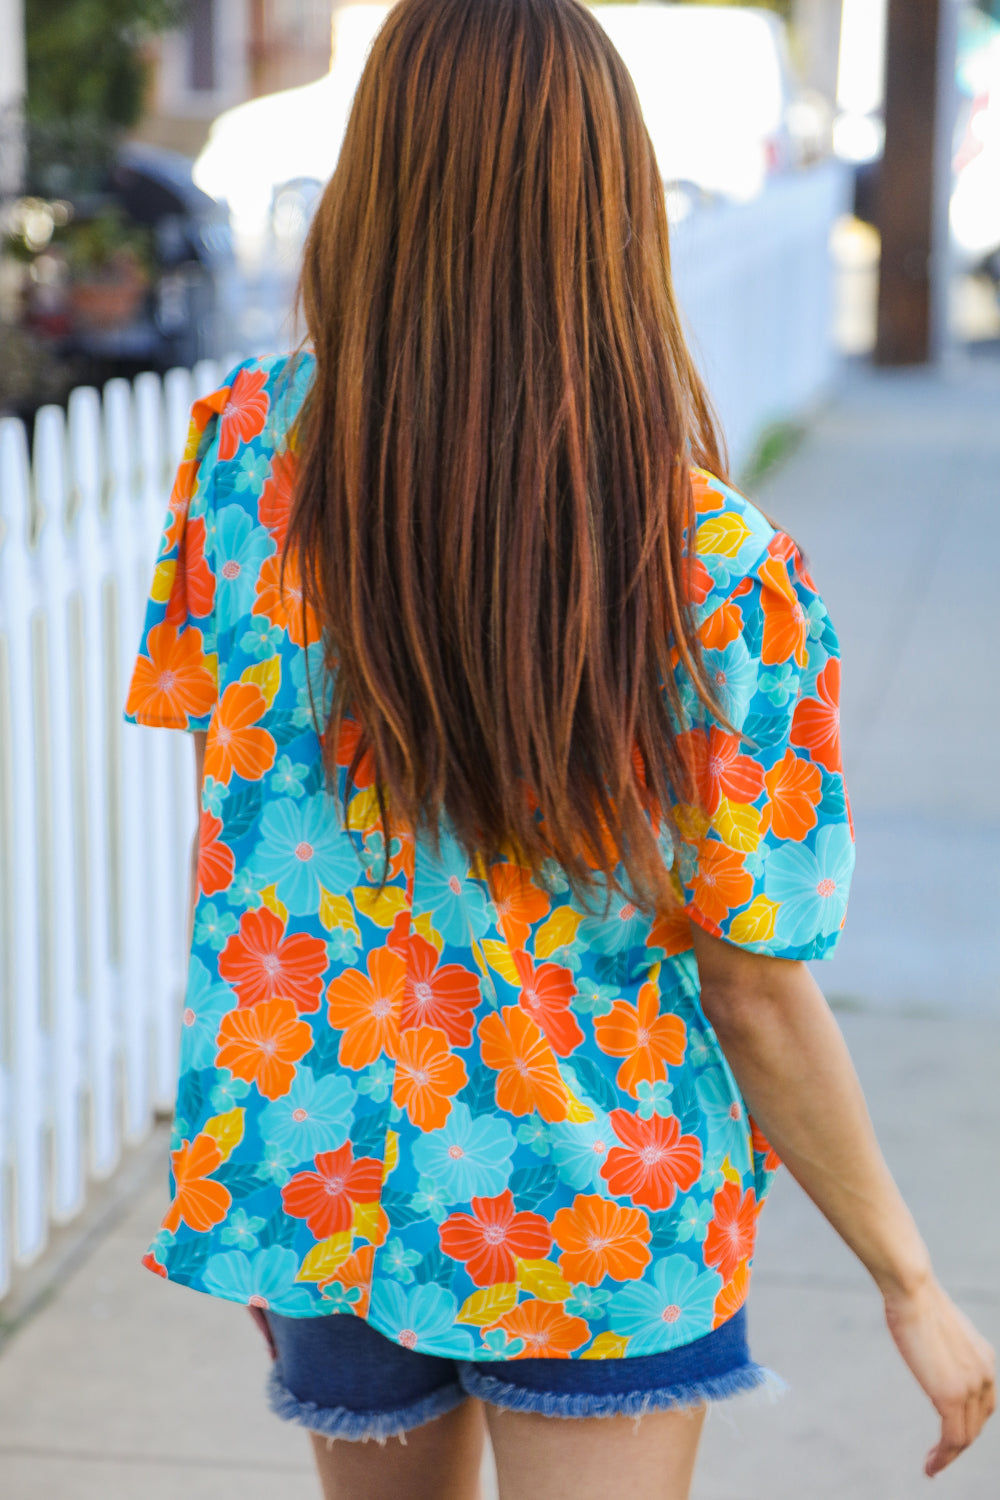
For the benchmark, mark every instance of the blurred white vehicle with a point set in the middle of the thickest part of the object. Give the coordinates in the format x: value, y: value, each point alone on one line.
x: 713, y: 81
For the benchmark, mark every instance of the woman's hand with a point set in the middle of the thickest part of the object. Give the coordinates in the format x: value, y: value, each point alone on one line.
x: 952, y: 1363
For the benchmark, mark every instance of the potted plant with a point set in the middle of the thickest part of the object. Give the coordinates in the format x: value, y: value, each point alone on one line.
x: 108, y: 264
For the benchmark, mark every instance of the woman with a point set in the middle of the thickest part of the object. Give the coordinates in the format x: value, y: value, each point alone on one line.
x: 521, y: 809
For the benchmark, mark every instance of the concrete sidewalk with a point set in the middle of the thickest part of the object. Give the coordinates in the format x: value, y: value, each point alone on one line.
x: 126, y: 1388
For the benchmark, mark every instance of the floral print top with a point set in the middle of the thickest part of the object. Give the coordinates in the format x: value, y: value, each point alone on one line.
x: 486, y: 1119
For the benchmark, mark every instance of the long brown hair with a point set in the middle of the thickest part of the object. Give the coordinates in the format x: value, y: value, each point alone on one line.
x: 494, y: 487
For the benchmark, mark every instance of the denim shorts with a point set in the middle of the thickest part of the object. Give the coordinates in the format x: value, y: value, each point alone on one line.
x: 336, y: 1375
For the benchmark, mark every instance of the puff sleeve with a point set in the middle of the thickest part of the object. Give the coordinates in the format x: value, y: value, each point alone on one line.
x: 767, y: 846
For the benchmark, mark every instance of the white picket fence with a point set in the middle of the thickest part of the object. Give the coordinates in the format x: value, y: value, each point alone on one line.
x: 96, y: 817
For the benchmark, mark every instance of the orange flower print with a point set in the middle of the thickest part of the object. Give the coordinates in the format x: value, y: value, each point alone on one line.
x: 356, y: 1271
x: 279, y: 598
x: 274, y: 507
x: 647, y: 1040
x: 786, y: 629
x: 731, y: 1233
x: 733, y: 1295
x: 174, y: 682
x: 653, y: 1160
x: 193, y: 591
x: 262, y: 1043
x: 326, y: 1197
x: 244, y: 412
x: 216, y: 861
x: 519, y: 903
x: 428, y: 1075
x: 697, y: 581
x: 548, y: 1331
x: 348, y: 740
x: 721, y: 881
x: 546, y: 992
x: 491, y: 1239
x: 599, y: 1238
x: 529, y: 1077
x: 444, y: 996
x: 234, y: 743
x: 671, y: 931
x: 200, y: 1203
x: 816, y: 725
x: 365, y: 1007
x: 259, y: 961
x: 730, y: 774
x: 722, y: 627
x: 795, y: 788
x: 762, y: 1147
x: 180, y: 497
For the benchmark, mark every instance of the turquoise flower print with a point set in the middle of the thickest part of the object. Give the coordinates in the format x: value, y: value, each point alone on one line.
x: 228, y: 1092
x: 213, y: 794
x: 712, y: 1175
x: 261, y: 639
x: 567, y: 958
x: 342, y: 946
x: 534, y: 1134
x: 315, y: 1115
x: 275, y: 1165
x: 816, y: 617
x: 268, y: 1280
x: 213, y: 927
x: 624, y: 927
x: 674, y: 1306
x: 500, y: 1346
x: 430, y: 1200
x: 587, y: 1302
x: 594, y: 999
x: 252, y: 471
x: 458, y: 906
x: 399, y: 1261
x: 240, y: 548
x: 726, y: 1118
x: 754, y: 862
x: 376, y: 1081
x: 552, y: 878
x: 205, y: 1004
x: 654, y: 1098
x: 693, y: 1219
x: 302, y: 848
x: 243, y: 892
x: 811, y: 887
x: 687, y: 862
x: 469, y: 1156
x: 287, y: 779
x: 732, y: 675
x: 373, y: 855
x: 579, y: 1152
x: 700, y: 1050
x: 340, y: 1299
x: 419, y: 1317
x: 241, y: 1231
x: 309, y: 672
x: 781, y: 684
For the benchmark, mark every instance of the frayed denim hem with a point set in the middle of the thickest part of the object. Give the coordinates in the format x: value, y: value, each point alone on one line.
x: 691, y: 1394
x: 359, y: 1426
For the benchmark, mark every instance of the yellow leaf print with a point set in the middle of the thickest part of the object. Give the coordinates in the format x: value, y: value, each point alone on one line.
x: 577, y: 1113
x: 756, y: 924
x: 557, y: 932
x: 380, y: 907
x: 391, y: 1153
x: 543, y: 1280
x: 324, y: 1258
x: 370, y: 1222
x: 226, y: 1131
x: 269, y: 896
x: 606, y: 1346
x: 722, y: 536
x: 489, y: 1305
x: 692, y: 822
x: 267, y: 676
x: 337, y: 911
x: 498, y: 956
x: 163, y: 580
x: 422, y: 924
x: 730, y: 1173
x: 362, y: 810
x: 737, y: 824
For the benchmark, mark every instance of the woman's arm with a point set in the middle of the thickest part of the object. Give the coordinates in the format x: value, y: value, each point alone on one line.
x: 200, y: 741
x: 793, y: 1068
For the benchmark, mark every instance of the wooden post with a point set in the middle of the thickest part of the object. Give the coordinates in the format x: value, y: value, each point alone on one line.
x: 916, y: 181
